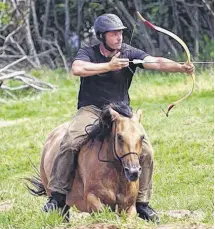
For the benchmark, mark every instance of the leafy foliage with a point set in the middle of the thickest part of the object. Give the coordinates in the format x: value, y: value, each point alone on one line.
x: 59, y: 28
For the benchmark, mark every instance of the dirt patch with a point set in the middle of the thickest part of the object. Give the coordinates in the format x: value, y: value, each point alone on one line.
x: 6, y: 206
x: 98, y: 226
x: 4, y: 123
x: 165, y: 226
x: 197, y: 215
x: 184, y: 226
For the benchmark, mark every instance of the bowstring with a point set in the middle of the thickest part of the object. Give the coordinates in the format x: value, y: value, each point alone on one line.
x: 132, y: 35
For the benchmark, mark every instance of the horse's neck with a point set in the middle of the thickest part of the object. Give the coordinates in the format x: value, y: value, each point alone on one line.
x: 108, y: 149
x: 108, y: 154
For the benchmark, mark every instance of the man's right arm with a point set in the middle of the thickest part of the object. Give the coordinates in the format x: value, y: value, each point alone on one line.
x: 85, y: 68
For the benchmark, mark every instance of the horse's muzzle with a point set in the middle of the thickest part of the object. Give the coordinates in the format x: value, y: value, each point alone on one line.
x: 132, y: 174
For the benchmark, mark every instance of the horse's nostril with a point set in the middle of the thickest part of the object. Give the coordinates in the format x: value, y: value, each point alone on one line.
x: 140, y: 169
x: 132, y: 171
x: 127, y: 170
x: 135, y: 174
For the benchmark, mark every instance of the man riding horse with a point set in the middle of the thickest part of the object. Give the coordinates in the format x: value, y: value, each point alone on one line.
x: 106, y: 73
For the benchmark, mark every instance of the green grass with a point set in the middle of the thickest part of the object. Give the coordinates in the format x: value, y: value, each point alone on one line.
x: 183, y: 145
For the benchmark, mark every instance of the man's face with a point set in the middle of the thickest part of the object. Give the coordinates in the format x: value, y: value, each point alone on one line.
x: 114, y: 39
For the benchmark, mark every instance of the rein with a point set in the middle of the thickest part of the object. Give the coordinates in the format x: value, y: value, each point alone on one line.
x: 114, y: 151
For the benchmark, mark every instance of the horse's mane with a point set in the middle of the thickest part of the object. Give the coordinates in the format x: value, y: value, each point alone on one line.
x: 102, y: 126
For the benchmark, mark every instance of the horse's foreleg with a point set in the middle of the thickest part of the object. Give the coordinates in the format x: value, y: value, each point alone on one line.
x: 132, y: 211
x: 94, y: 203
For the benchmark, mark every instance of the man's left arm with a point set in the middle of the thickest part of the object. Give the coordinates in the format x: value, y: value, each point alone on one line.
x: 167, y: 65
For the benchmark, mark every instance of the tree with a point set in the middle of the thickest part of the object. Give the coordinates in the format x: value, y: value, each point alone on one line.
x: 49, y: 32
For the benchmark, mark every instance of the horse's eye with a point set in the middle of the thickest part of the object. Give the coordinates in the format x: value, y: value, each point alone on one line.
x: 120, y: 137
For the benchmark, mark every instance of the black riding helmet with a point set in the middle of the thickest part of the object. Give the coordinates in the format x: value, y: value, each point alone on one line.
x: 106, y: 23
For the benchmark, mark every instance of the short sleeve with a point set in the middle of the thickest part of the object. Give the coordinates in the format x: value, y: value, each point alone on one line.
x: 138, y: 54
x: 83, y: 54
x: 134, y: 53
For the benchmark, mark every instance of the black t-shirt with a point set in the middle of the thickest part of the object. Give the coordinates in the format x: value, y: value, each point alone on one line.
x: 103, y: 89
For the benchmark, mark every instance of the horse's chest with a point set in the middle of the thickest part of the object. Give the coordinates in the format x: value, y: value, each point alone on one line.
x: 116, y: 191
x: 127, y: 196
x: 120, y: 195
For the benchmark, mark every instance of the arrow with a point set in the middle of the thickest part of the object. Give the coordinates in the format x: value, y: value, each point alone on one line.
x: 138, y: 61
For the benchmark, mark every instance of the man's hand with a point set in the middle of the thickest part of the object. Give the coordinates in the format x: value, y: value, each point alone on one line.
x: 117, y: 63
x: 188, y: 68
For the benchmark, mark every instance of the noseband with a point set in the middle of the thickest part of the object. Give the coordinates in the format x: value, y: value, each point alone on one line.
x: 114, y: 151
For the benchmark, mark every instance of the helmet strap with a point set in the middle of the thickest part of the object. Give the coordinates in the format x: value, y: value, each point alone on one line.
x: 106, y: 45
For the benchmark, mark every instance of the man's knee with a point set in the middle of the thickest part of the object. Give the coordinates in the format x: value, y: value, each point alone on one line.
x: 146, y: 161
x: 70, y: 143
x: 146, y: 158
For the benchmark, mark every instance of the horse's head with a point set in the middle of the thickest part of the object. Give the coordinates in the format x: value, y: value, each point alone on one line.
x: 127, y: 135
x: 118, y: 124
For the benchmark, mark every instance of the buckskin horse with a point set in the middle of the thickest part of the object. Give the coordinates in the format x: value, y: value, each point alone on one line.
x: 108, y: 165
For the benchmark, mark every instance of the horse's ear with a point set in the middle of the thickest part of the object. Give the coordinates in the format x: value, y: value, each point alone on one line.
x: 138, y: 115
x: 114, y: 114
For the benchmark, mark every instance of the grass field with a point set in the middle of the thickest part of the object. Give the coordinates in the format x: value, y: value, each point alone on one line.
x: 183, y: 145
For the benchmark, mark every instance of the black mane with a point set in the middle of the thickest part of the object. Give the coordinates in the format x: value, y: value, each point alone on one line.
x: 102, y: 126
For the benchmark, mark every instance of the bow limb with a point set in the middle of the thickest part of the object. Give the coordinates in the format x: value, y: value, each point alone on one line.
x: 180, y: 41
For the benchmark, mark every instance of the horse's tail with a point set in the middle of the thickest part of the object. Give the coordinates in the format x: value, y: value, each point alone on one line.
x: 35, y: 181
x: 38, y: 187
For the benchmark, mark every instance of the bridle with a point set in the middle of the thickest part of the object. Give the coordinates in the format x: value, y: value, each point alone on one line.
x: 114, y: 150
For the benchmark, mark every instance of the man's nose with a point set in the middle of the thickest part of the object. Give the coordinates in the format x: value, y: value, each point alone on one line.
x: 119, y: 38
